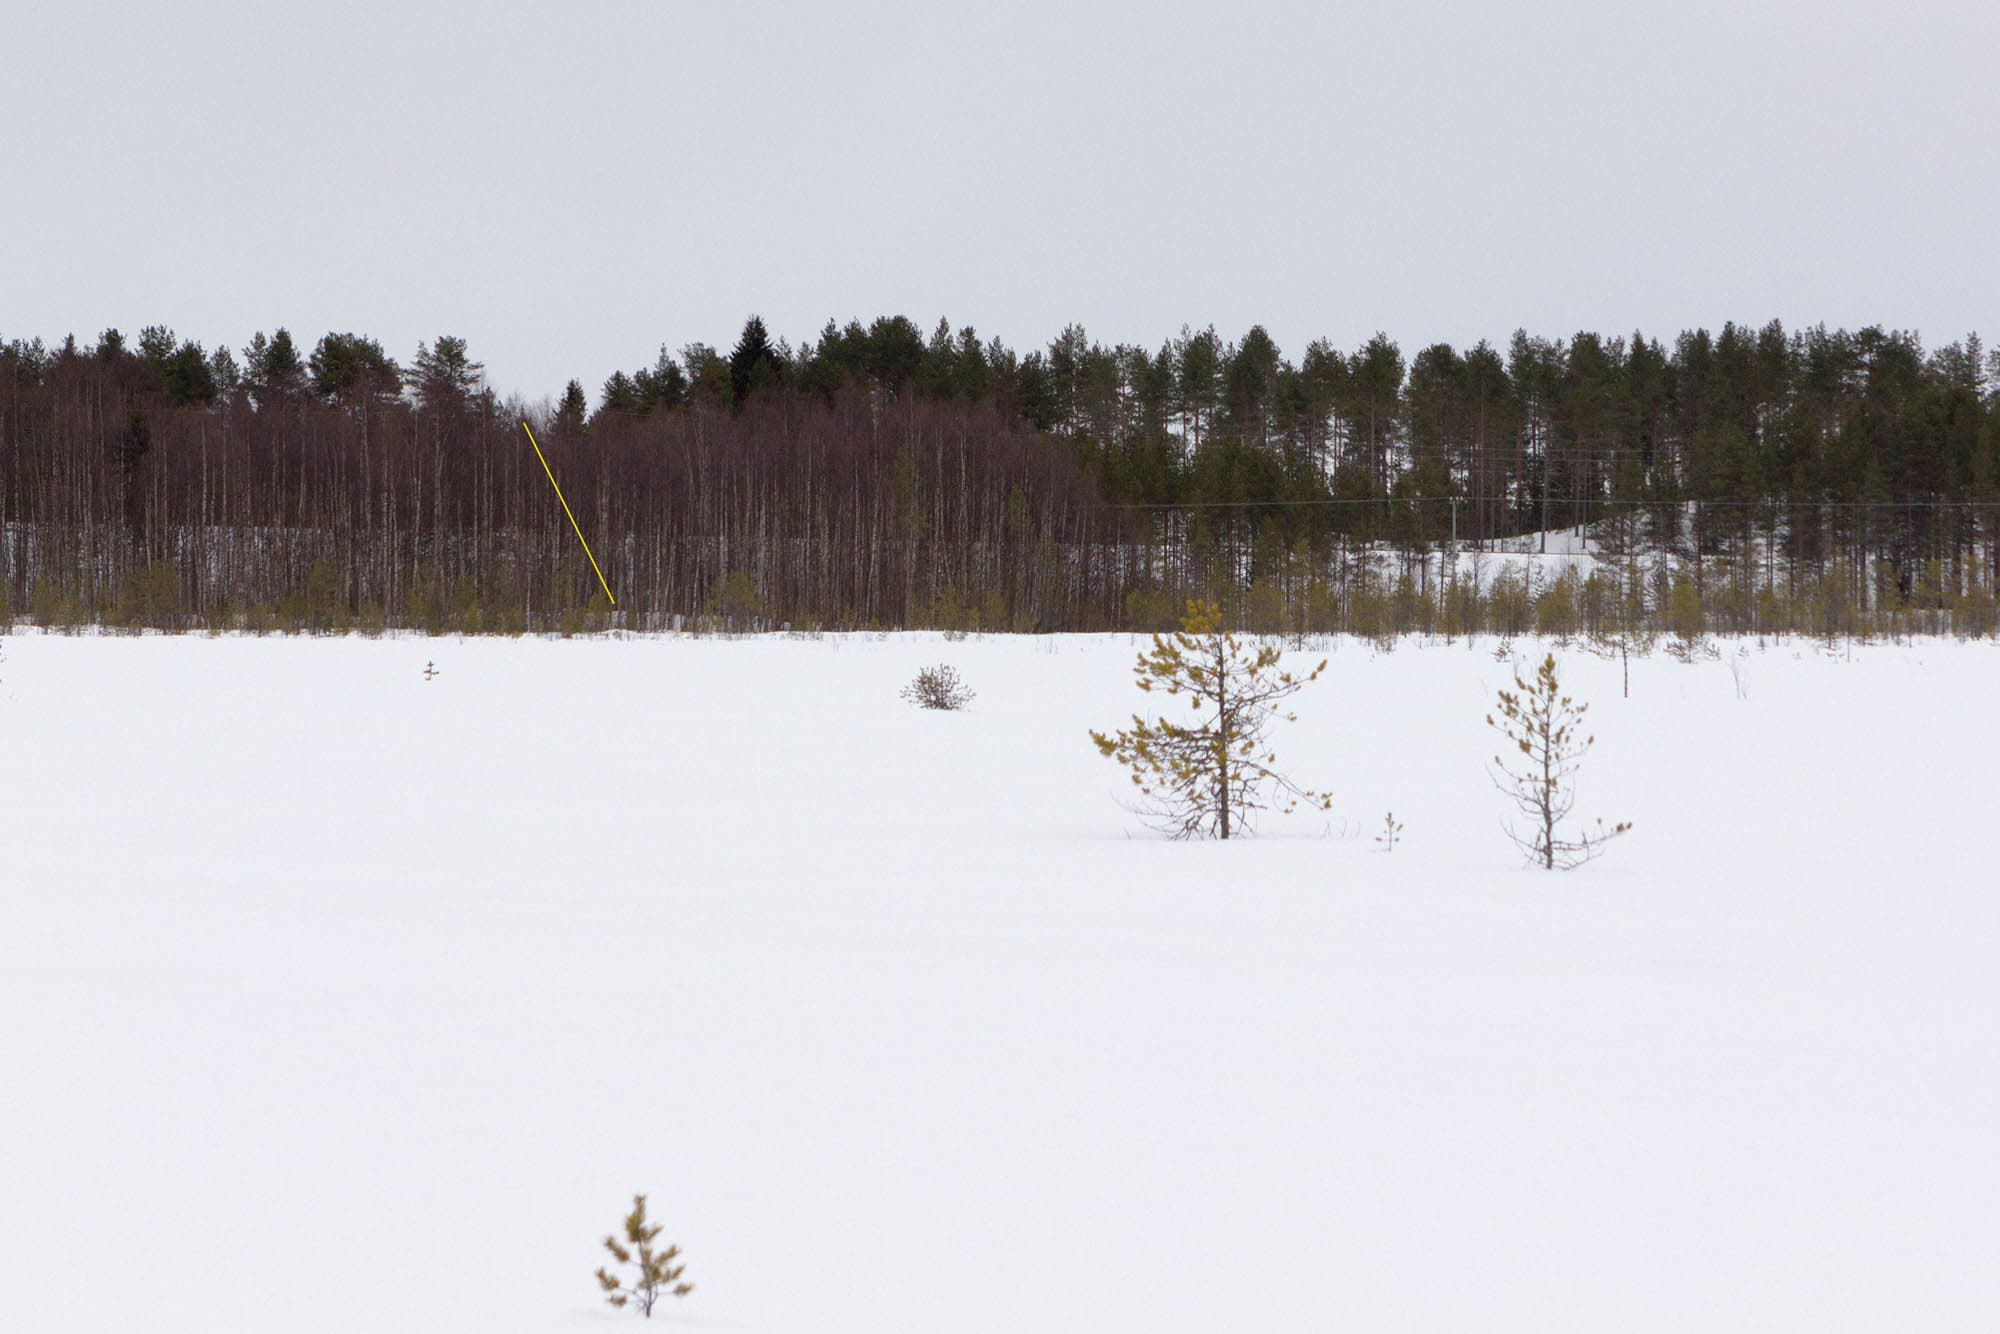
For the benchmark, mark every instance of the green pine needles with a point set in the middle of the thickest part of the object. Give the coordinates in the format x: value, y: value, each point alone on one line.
x: 658, y: 1271
x: 1210, y: 778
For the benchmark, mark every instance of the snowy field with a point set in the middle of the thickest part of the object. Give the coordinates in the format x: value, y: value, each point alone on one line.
x: 333, y: 999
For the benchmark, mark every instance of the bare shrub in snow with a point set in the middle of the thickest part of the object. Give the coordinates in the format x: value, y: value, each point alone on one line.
x: 1212, y: 777
x: 658, y: 1272
x: 938, y: 687
x: 1544, y: 729
x: 1392, y: 829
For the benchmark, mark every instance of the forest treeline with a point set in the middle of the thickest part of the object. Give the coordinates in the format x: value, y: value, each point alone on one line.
x: 1820, y: 481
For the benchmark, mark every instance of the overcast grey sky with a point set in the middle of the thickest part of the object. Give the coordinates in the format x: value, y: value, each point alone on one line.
x: 569, y: 186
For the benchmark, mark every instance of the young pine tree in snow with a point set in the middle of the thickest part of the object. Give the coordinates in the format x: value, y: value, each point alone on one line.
x: 659, y: 1272
x: 1546, y: 746
x: 1686, y: 620
x: 1213, y: 775
x: 1392, y: 832
x: 1627, y: 630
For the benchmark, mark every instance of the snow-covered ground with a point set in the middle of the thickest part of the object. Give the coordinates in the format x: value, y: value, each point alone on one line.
x: 333, y: 999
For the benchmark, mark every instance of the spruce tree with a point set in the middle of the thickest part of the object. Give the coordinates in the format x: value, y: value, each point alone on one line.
x: 571, y: 413
x: 972, y: 373
x: 224, y: 373
x: 188, y: 377
x: 128, y: 454
x: 620, y: 394
x: 753, y: 363
x: 664, y: 386
x: 272, y: 369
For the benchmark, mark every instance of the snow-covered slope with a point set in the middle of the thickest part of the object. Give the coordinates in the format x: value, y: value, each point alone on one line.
x: 332, y: 999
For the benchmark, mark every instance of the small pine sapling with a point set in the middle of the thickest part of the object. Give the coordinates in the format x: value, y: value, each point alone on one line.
x: 659, y: 1272
x: 1628, y: 630
x: 1210, y: 778
x: 1392, y: 830
x: 1685, y: 618
x: 938, y: 687
x: 1546, y: 743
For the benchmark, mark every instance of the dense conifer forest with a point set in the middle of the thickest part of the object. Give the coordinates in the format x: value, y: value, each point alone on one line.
x: 1754, y: 480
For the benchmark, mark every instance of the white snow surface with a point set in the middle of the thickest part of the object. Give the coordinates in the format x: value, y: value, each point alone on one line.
x: 333, y: 999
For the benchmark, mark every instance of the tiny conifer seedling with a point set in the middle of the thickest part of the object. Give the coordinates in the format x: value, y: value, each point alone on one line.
x: 658, y: 1271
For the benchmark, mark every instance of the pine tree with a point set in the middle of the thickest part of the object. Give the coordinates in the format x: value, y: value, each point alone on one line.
x: 707, y: 375
x: 1628, y: 629
x: 156, y: 344
x: 350, y: 368
x: 659, y: 1272
x: 1212, y: 777
x: 1688, y: 623
x: 1544, y: 727
x: 444, y: 376
x: 893, y: 352
x: 1196, y: 379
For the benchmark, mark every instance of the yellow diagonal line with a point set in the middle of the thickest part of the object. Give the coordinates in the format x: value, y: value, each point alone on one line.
x: 572, y: 518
